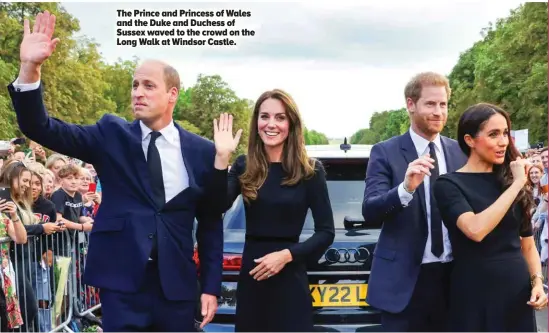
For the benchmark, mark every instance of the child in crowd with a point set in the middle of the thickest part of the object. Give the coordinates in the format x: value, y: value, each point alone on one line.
x: 68, y: 200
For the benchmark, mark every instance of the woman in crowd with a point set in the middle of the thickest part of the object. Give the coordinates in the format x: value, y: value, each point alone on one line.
x: 15, y: 176
x: 539, y: 211
x: 49, y: 183
x: 42, y: 272
x: 10, y: 226
x: 486, y: 206
x: 278, y: 183
x: 91, y: 200
x: 534, y: 175
x: 54, y: 163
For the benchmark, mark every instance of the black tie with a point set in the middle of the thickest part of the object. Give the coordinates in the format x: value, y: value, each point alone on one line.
x: 157, y: 182
x: 155, y: 171
x: 436, y: 222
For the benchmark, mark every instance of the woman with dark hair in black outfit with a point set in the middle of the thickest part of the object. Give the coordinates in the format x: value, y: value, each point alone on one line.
x: 486, y: 206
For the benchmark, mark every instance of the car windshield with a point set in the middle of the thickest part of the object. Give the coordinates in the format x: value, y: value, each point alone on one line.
x: 345, y: 182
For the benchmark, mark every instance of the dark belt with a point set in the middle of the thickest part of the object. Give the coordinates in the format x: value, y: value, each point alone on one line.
x: 272, y: 239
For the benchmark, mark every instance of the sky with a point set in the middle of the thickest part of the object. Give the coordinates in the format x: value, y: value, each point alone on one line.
x: 341, y: 61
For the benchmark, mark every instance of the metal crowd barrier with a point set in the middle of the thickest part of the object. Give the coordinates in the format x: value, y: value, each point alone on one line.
x: 542, y: 245
x: 41, y: 287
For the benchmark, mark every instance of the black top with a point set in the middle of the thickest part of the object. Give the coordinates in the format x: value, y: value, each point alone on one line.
x: 69, y: 207
x: 460, y: 192
x: 44, y: 210
x: 279, y: 211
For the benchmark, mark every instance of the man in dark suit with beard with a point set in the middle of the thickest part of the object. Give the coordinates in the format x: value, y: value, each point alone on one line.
x: 412, y: 261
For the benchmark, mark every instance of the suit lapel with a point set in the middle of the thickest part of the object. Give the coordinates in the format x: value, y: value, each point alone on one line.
x: 187, y: 150
x: 451, y: 159
x: 138, y: 161
x: 410, y: 154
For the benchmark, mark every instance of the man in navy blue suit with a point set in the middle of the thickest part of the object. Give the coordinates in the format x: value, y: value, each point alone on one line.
x: 156, y: 178
x: 412, y: 261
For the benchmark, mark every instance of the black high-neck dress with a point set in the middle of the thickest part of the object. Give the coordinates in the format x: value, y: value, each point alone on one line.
x: 490, y: 283
x: 274, y: 222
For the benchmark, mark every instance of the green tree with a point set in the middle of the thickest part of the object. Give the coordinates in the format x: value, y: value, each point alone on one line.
x: 207, y: 100
x: 119, y: 77
x: 313, y: 137
x: 507, y: 67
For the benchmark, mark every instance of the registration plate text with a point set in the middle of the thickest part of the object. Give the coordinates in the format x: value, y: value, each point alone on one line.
x: 338, y: 295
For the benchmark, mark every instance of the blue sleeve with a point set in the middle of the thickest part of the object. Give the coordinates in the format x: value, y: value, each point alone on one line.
x: 77, y: 141
x: 381, y: 200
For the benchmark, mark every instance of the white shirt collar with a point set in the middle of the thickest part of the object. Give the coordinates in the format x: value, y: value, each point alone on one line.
x: 422, y: 144
x: 170, y: 132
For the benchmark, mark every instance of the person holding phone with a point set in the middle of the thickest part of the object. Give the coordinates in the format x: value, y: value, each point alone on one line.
x: 10, y: 226
x: 90, y: 197
x: 486, y: 205
x: 15, y: 177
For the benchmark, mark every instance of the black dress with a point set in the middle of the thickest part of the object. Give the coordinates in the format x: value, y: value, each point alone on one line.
x: 490, y: 282
x: 274, y: 222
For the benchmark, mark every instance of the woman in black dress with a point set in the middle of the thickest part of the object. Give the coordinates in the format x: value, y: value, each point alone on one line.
x: 496, y: 282
x: 278, y: 183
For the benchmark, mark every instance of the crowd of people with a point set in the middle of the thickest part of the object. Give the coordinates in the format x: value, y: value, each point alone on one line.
x: 538, y: 183
x: 46, y: 195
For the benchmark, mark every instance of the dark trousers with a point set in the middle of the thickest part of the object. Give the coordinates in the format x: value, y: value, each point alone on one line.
x: 428, y: 307
x: 146, y: 311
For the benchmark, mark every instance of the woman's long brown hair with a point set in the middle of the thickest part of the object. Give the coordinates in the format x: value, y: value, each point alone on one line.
x: 11, y: 173
x: 295, y: 161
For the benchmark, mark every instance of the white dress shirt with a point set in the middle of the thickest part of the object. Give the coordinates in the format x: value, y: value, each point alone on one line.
x: 174, y: 173
x: 422, y: 148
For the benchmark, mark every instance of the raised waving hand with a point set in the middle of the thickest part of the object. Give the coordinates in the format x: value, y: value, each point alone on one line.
x: 38, y: 45
x: 225, y: 142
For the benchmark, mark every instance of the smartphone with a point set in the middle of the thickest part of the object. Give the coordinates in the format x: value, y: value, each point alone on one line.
x: 5, y: 194
x: 92, y: 187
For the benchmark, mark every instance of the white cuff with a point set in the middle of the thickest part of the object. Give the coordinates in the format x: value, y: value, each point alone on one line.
x: 405, y: 197
x: 20, y: 87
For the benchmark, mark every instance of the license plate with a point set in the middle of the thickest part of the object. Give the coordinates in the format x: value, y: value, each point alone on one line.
x: 338, y: 295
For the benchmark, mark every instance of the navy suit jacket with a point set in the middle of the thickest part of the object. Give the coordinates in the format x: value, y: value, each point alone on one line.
x: 399, y: 251
x: 127, y: 220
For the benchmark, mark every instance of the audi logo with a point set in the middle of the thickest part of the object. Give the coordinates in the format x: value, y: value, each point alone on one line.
x: 351, y: 256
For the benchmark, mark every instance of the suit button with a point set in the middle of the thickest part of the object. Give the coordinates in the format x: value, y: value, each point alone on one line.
x: 151, y: 236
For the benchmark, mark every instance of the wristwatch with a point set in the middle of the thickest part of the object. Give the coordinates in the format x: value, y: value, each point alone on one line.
x: 533, y: 278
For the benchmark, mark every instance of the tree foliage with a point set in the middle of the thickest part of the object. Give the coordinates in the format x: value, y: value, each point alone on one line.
x: 507, y: 67
x: 313, y: 137
x: 80, y: 86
